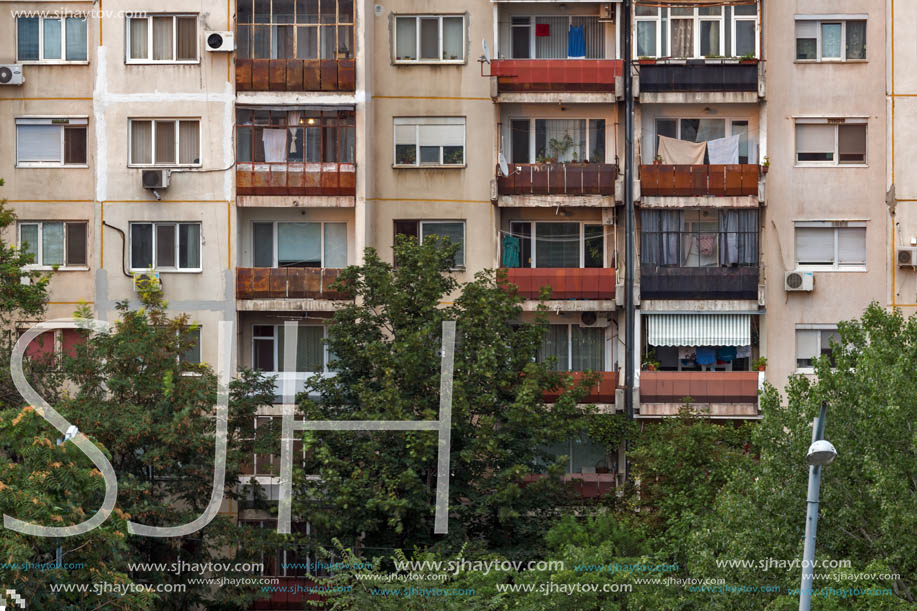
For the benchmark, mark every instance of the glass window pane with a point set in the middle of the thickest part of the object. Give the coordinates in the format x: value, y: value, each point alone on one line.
x: 345, y: 42
x: 52, y: 244
x: 76, y: 244
x: 28, y: 240
x: 328, y: 11
x: 745, y: 37
x: 244, y: 41
x: 588, y: 348
x: 307, y: 43
x: 745, y: 9
x: 38, y: 143
x: 282, y: 42
x: 851, y: 144
x: 262, y: 42
x: 27, y: 34
x: 263, y: 357
x: 806, y: 39
x: 139, y: 48
x: 299, y: 244
x: 283, y: 11
x: 52, y: 40
x: 806, y: 346
x: 345, y: 11
x: 189, y: 142
x: 141, y: 246
x: 740, y: 129
x: 429, y: 154
x: 405, y: 154
x: 454, y: 232
x: 262, y: 11
x: 165, y: 245
x: 406, y: 38
x: 244, y: 10
x: 856, y: 40
x: 306, y: 11
x: 193, y: 353
x: 328, y: 42
x: 831, y: 40
x: 557, y: 244
x: 76, y: 39
x: 555, y: 348
x: 243, y: 144
x: 429, y: 39
x: 682, y: 37
x: 162, y: 38
x: 453, y: 38
x: 646, y: 39
x: 165, y: 141
x: 335, y: 245
x: 187, y: 39
x: 710, y: 38
x: 597, y: 141
x: 310, y: 349
x: 594, y: 244
x: 453, y: 155
x: 263, y: 245
x: 141, y: 142
x: 189, y: 246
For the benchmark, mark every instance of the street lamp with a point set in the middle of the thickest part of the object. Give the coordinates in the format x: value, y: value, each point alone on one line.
x: 820, y: 453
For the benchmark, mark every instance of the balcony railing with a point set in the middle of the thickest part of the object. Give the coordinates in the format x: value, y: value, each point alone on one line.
x: 295, y: 178
x: 558, y: 179
x: 295, y: 75
x: 699, y: 76
x: 291, y: 591
x: 565, y: 282
x: 739, y: 282
x: 700, y: 386
x: 693, y: 180
x: 561, y: 75
x: 602, y: 392
x: 587, y: 485
x: 286, y: 283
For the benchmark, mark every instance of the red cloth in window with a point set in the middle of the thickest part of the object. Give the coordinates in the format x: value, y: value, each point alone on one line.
x: 542, y: 29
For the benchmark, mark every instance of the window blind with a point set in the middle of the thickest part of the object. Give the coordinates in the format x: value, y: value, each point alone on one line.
x: 851, y: 245
x: 38, y: 143
x: 814, y: 138
x: 814, y: 245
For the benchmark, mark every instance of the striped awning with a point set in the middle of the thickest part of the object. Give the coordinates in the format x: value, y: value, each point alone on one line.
x: 698, y: 329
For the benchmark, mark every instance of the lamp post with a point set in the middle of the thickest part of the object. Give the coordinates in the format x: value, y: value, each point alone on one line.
x: 820, y: 453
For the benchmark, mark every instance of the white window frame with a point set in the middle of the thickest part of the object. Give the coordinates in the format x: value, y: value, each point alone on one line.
x: 809, y: 327
x: 149, y: 36
x: 835, y: 162
x: 753, y: 18
x: 61, y: 122
x: 177, y: 121
x: 657, y: 19
x: 39, y: 265
x: 41, y: 42
x: 609, y: 365
x: 156, y: 267
x: 276, y: 242
x: 531, y: 120
x: 418, y: 122
x: 835, y: 266
x: 582, y: 241
x: 417, y: 19
x: 697, y: 18
x: 421, y: 223
x: 504, y: 53
x: 827, y: 19
x: 279, y: 329
x: 728, y: 130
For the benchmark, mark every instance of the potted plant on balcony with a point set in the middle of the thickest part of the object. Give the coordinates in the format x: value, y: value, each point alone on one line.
x: 748, y: 58
x: 765, y: 164
x: 646, y: 60
x: 657, y: 160
x: 713, y: 58
x: 560, y: 146
x: 649, y: 361
x: 759, y: 364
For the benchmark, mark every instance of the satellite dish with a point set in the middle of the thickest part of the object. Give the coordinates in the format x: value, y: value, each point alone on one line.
x: 486, y: 50
x: 504, y: 169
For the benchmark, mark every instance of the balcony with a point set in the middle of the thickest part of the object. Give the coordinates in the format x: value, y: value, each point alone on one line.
x: 290, y: 178
x: 603, y: 392
x: 556, y: 75
x: 722, y: 394
x: 286, y: 288
x: 698, y: 75
x: 291, y: 593
x: 739, y: 282
x: 558, y: 179
x: 591, y: 283
x: 586, y: 485
x: 295, y: 75
x: 699, y: 180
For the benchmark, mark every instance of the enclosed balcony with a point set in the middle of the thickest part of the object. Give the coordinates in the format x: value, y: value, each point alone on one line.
x: 295, y: 46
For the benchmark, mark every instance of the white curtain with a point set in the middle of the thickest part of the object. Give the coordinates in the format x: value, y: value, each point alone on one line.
x: 139, y: 39
x: 162, y: 38
x: 165, y: 142
x: 186, y: 43
x: 335, y: 245
x: 52, y: 32
x: 141, y: 142
x: 76, y: 39
x: 189, y: 144
x: 453, y: 38
x: 275, y: 145
x: 553, y: 46
x: 555, y: 344
x: 682, y: 37
x: 406, y: 38
x: 588, y: 348
x: 52, y: 244
x: 28, y: 240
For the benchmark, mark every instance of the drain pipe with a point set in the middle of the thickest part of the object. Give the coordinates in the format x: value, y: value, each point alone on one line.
x: 629, y: 313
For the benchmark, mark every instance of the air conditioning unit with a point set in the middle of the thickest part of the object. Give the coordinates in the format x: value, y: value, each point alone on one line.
x: 220, y: 42
x: 906, y: 257
x: 592, y: 319
x: 11, y: 74
x: 148, y: 280
x: 155, y: 179
x: 799, y: 281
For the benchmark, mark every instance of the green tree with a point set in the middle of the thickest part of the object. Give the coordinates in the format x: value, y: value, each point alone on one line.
x: 378, y: 489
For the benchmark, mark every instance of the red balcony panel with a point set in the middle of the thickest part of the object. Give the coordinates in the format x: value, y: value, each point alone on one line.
x: 698, y: 180
x: 545, y: 75
x: 558, y: 179
x: 286, y: 283
x: 701, y: 386
x: 334, y: 179
x: 566, y: 283
x: 278, y: 285
x: 261, y: 282
x: 295, y: 75
x: 603, y: 392
x: 243, y: 76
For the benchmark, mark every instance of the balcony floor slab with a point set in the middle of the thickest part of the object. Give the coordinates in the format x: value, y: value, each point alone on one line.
x: 698, y: 201
x: 289, y: 305
x: 554, y: 201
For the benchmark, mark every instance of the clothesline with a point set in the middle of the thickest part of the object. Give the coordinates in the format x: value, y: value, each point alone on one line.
x: 523, y: 236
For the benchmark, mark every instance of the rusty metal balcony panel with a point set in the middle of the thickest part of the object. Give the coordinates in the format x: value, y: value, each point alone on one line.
x: 558, y: 179
x: 565, y: 282
x: 286, y: 283
x: 295, y: 75
x: 289, y: 178
x: 696, y: 180
x: 701, y: 386
x: 567, y: 75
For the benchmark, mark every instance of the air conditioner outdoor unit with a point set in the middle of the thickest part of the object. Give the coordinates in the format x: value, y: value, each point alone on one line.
x: 155, y: 179
x: 11, y: 74
x: 906, y: 257
x: 799, y: 281
x: 593, y: 319
x: 220, y: 42
x: 148, y: 280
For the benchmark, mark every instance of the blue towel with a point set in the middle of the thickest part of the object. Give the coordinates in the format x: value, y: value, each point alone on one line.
x: 576, y: 45
x: 510, y: 251
x: 705, y: 356
x: 727, y: 354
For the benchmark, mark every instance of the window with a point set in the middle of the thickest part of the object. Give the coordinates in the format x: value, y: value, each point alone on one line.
x: 702, y: 130
x: 51, y: 142
x: 52, y: 40
x: 573, y: 348
x: 171, y: 142
x: 294, y: 136
x: 193, y: 353
x: 830, y: 40
x: 584, y: 455
x: 294, y: 29
x: 831, y: 141
x: 54, y: 243
x: 699, y: 238
x: 48, y: 347
x: 557, y: 140
x: 435, y: 141
x: 707, y: 31
x: 267, y: 348
x: 813, y: 341
x: 556, y: 244
x: 166, y: 246
x: 299, y: 244
x: 430, y: 38
x: 831, y: 245
x: 162, y: 39
x: 454, y: 231
x: 551, y: 37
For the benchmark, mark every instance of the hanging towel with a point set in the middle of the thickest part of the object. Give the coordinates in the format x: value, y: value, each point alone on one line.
x: 275, y: 145
x: 727, y: 354
x: 542, y: 29
x: 706, y: 355
x: 681, y: 152
x: 510, y: 251
x: 576, y: 46
x: 743, y: 352
x: 707, y: 244
x: 724, y: 150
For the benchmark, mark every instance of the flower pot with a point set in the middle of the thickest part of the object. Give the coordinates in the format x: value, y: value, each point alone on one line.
x: 762, y: 368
